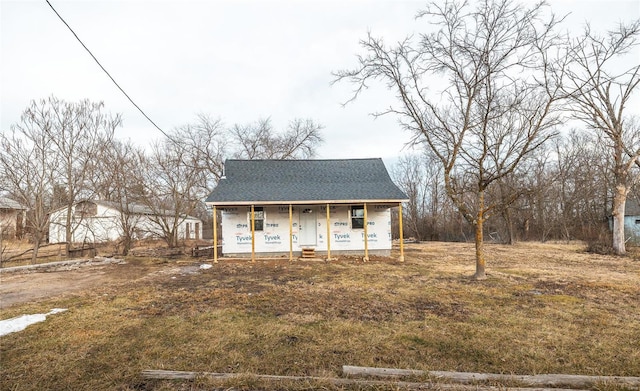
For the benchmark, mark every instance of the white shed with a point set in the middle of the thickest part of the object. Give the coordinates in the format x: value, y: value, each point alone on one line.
x: 101, y: 221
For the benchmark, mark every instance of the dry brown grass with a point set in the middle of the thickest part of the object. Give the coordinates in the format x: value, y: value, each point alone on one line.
x: 545, y: 308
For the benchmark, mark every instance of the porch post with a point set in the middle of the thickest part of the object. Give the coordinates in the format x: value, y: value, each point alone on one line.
x: 366, y: 236
x: 401, y: 259
x: 215, y: 235
x: 253, y: 234
x: 328, y: 235
x: 290, y: 233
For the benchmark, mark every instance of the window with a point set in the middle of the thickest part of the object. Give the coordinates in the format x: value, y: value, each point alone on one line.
x: 357, y: 216
x: 258, y: 213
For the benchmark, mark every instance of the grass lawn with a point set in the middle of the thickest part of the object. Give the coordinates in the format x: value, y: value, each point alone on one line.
x: 545, y: 308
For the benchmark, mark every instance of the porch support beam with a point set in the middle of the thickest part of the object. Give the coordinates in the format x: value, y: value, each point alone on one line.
x: 290, y: 233
x: 328, y: 234
x: 253, y: 234
x: 215, y: 235
x: 366, y: 236
x: 401, y: 259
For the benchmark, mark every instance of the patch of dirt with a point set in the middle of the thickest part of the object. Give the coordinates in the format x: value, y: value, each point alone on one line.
x: 40, y: 284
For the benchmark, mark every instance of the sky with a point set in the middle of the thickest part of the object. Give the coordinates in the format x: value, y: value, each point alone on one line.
x: 236, y: 60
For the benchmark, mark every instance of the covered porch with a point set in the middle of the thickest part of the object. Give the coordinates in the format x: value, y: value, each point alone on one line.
x: 306, y: 229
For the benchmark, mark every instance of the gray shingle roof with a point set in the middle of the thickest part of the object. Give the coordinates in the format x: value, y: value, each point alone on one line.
x: 298, y: 181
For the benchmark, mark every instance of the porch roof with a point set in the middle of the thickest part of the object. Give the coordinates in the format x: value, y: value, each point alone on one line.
x: 305, y: 182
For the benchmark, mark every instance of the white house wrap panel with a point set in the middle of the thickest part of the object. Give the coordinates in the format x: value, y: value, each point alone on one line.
x: 274, y: 237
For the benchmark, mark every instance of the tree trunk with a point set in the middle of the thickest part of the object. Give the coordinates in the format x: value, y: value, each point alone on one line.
x: 619, y: 202
x: 36, y: 247
x: 126, y: 244
x: 172, y: 238
x: 480, y: 261
x: 68, y: 231
x: 508, y: 220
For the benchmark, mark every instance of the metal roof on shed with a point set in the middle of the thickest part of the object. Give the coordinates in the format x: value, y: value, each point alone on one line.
x: 8, y: 203
x: 301, y: 181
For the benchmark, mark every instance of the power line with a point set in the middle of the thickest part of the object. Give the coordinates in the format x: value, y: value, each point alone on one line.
x: 105, y: 71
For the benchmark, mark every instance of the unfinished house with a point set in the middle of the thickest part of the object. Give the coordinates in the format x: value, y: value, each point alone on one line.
x: 305, y: 208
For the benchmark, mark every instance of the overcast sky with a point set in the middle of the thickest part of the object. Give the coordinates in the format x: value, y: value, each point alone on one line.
x: 239, y: 61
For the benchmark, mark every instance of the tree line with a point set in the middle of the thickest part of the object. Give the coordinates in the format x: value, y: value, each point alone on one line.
x: 562, y: 192
x: 486, y: 90
x: 61, y: 153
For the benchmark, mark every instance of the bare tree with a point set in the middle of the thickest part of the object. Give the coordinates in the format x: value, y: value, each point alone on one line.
x: 207, y: 143
x: 420, y: 179
x: 27, y: 170
x: 190, y: 162
x: 508, y: 190
x: 77, y: 134
x: 581, y: 188
x: 173, y: 188
x: 120, y: 182
x: 602, y: 78
x: 260, y: 141
x: 408, y: 174
x: 499, y: 104
x: 565, y: 190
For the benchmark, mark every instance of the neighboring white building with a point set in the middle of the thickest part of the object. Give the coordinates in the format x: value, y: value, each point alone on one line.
x: 289, y: 200
x: 101, y: 221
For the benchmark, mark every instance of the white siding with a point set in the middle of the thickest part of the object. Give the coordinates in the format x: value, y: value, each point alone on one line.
x: 102, y: 227
x: 106, y: 226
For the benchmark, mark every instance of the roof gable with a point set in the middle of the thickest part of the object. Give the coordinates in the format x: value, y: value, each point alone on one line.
x: 298, y: 181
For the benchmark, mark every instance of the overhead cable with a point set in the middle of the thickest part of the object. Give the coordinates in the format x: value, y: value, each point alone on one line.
x: 105, y: 71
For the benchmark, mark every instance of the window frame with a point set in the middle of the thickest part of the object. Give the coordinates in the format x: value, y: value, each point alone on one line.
x: 258, y: 221
x: 357, y: 221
